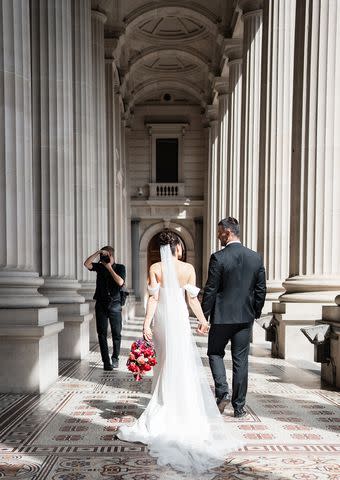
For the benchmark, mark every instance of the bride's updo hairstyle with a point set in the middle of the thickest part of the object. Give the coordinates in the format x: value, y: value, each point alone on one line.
x: 169, y: 238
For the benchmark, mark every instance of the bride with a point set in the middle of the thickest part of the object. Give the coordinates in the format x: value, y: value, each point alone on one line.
x: 181, y: 425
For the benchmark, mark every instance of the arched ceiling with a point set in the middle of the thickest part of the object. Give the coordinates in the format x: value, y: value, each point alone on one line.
x: 167, y: 51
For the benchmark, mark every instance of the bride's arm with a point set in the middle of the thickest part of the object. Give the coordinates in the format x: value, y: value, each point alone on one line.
x: 151, y: 304
x: 196, y: 306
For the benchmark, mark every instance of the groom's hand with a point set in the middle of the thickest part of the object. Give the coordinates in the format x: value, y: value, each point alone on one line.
x: 203, y: 328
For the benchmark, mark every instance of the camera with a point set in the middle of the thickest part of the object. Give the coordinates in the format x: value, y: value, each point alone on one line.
x: 104, y: 258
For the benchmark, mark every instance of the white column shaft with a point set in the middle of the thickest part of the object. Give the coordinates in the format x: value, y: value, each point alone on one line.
x: 99, y: 128
x: 223, y: 155
x: 83, y: 145
x: 18, y: 281
x: 54, y: 146
x: 276, y: 140
x: 249, y: 172
x: 233, y: 177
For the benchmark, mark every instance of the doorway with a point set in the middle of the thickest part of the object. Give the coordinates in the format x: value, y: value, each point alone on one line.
x: 154, y: 246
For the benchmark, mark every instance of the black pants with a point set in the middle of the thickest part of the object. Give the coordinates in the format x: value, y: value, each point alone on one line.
x: 112, y: 314
x: 239, y: 336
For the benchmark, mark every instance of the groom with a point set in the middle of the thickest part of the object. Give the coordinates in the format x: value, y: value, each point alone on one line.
x: 233, y: 297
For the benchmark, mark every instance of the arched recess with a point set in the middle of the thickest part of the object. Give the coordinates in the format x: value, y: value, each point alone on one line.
x: 143, y: 249
x: 189, y: 54
x: 195, y: 11
x: 150, y: 87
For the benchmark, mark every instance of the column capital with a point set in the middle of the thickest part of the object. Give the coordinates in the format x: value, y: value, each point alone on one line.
x: 250, y: 6
x: 221, y: 85
x: 233, y: 49
x: 100, y: 16
x: 212, y: 113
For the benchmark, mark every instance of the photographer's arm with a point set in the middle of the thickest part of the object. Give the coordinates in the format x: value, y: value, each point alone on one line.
x: 88, y: 262
x: 119, y: 280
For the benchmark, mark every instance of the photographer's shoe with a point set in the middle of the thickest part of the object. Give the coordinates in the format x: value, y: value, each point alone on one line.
x: 108, y: 367
x: 115, y: 363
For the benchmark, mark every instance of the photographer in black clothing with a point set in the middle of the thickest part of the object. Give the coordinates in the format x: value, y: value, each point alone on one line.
x: 110, y: 279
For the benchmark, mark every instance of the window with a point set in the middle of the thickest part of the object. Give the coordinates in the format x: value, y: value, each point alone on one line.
x: 167, y: 160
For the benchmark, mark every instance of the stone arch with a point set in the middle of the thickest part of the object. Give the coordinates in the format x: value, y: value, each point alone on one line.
x: 149, y: 233
x: 150, y: 87
x: 195, y: 11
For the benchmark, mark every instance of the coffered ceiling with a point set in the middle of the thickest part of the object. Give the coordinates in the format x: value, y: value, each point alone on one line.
x: 168, y: 51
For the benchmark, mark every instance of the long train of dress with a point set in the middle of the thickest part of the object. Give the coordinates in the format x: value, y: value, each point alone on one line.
x: 181, y: 425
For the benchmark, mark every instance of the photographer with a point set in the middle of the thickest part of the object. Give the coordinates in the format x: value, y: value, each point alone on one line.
x: 110, y: 279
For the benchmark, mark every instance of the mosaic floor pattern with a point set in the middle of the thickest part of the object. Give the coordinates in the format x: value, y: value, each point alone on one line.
x: 292, y: 430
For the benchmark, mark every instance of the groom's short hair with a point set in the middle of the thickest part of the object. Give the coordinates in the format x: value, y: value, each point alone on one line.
x: 231, y: 224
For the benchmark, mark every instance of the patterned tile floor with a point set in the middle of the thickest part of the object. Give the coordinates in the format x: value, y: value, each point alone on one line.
x: 292, y: 430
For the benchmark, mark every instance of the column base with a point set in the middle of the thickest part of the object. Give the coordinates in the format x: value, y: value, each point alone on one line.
x: 288, y: 319
x: 28, y: 349
x: 62, y: 290
x: 93, y: 327
x: 330, y: 372
x: 19, y: 289
x: 74, y: 341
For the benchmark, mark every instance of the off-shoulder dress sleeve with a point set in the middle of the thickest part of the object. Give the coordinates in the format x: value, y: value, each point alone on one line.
x: 192, y: 290
x: 153, y: 291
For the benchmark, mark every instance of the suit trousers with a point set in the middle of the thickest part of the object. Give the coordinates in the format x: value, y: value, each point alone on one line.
x: 239, y: 337
x: 104, y: 314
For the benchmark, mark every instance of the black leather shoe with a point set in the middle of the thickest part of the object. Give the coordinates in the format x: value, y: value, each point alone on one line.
x: 108, y: 367
x: 240, y: 413
x: 115, y: 363
x: 222, y: 403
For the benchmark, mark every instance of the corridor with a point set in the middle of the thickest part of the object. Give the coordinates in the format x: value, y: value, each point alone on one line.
x: 292, y: 429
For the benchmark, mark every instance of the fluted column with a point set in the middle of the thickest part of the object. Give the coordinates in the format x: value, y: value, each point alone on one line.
x: 28, y: 333
x: 110, y: 149
x: 222, y: 86
x: 99, y: 128
x: 314, y: 250
x: 233, y: 173
x: 83, y: 142
x: 54, y: 146
x: 135, y: 223
x: 18, y: 279
x: 275, y: 142
x: 212, y: 242
x: 250, y: 136
x: 315, y: 191
x: 199, y: 250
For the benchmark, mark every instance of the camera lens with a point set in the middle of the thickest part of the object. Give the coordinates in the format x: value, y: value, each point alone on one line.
x: 104, y: 258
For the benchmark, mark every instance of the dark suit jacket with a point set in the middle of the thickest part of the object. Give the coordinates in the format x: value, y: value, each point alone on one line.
x: 236, y: 287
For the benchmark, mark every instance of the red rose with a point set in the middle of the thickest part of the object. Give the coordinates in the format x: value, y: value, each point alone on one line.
x: 147, y: 367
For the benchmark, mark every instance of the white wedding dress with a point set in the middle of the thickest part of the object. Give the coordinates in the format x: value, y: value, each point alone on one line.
x: 181, y: 425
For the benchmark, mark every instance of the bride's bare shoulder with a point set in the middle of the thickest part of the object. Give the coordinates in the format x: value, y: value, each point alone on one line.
x: 187, y: 266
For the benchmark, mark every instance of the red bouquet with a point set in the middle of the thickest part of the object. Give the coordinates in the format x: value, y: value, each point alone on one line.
x: 141, y: 359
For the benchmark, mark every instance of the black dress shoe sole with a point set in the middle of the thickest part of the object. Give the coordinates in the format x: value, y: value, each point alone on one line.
x: 108, y: 368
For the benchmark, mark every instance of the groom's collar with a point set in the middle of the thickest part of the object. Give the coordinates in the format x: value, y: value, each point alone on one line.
x: 233, y: 241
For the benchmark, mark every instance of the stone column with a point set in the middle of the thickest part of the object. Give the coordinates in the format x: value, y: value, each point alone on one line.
x: 315, y: 192
x: 110, y: 149
x: 233, y: 172
x: 199, y: 250
x: 250, y: 130
x: 212, y: 242
x: 28, y: 333
x: 55, y: 169
x: 99, y: 128
x: 135, y: 222
x: 222, y: 87
x: 83, y: 149
x: 275, y: 143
